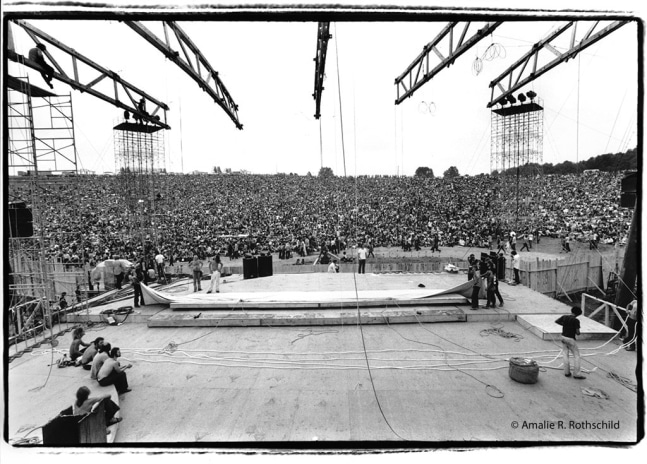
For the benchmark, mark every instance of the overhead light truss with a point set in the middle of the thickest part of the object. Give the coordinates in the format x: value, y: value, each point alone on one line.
x: 529, y: 66
x: 323, y: 36
x: 192, y: 62
x: 69, y: 73
x: 420, y: 71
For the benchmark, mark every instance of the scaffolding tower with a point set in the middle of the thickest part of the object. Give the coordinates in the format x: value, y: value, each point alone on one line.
x: 517, y: 136
x: 41, y: 130
x: 517, y: 140
x: 139, y: 161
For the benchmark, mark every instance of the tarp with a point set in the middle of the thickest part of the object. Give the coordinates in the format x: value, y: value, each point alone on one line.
x: 465, y: 289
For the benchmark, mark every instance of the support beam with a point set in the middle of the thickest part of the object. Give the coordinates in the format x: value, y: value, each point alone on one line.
x: 419, y: 71
x: 194, y: 64
x: 526, y: 70
x: 70, y: 76
x: 323, y: 36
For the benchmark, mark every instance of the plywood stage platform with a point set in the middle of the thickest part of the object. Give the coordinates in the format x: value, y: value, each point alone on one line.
x: 329, y: 299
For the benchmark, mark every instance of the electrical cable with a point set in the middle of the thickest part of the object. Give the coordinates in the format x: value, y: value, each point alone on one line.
x: 368, y: 365
x: 51, y: 365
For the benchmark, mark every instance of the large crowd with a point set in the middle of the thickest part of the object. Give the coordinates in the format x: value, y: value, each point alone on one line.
x: 87, y: 218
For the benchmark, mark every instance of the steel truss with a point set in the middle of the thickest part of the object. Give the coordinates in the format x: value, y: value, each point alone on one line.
x: 419, y: 71
x: 526, y: 70
x: 71, y: 76
x: 194, y: 64
x: 323, y: 36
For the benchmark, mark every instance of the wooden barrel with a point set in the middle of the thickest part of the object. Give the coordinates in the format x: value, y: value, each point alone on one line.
x: 523, y: 370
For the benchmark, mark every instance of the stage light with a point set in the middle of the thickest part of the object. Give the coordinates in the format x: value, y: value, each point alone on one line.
x: 521, y: 97
x: 511, y: 99
x: 531, y: 94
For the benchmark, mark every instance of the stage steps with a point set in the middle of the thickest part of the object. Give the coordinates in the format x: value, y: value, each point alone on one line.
x: 544, y: 326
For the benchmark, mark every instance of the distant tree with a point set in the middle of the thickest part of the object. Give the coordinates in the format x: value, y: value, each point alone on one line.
x: 451, y: 173
x: 424, y: 172
x: 325, y: 172
x: 309, y: 174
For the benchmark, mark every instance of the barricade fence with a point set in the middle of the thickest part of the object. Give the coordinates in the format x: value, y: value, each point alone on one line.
x: 555, y: 277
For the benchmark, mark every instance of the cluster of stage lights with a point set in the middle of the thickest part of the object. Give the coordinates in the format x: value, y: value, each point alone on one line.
x: 521, y: 97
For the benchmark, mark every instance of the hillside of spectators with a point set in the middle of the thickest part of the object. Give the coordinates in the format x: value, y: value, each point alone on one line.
x: 86, y: 217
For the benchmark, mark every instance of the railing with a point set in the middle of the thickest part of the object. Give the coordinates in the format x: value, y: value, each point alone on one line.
x: 33, y: 332
x: 608, y: 308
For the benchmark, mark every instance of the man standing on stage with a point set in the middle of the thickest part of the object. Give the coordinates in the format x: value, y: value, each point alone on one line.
x: 159, y: 262
x: 515, y: 267
x: 215, y: 266
x: 196, y: 268
x: 570, y: 328
x: 361, y: 256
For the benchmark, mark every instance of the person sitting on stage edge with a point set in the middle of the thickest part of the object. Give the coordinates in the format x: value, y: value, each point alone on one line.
x: 99, y: 359
x: 90, y: 352
x: 75, y: 348
x: 84, y: 404
x: 112, y: 373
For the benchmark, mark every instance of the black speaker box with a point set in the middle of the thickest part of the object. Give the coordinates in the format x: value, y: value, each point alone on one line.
x: 20, y: 220
x: 250, y: 268
x: 265, y: 266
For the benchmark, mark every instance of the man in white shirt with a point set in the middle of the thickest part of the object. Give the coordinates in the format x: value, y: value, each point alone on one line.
x: 159, y: 261
x: 333, y: 267
x: 361, y: 256
x: 515, y: 267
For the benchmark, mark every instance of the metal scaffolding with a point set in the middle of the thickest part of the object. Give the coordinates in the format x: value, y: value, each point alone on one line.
x: 139, y: 161
x: 517, y: 136
x: 517, y: 140
x: 35, y: 281
x: 41, y: 130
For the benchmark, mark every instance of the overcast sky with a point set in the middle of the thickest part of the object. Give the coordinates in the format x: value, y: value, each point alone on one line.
x: 590, y: 102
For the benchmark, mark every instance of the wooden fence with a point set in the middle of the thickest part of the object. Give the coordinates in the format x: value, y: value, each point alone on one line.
x: 554, y: 277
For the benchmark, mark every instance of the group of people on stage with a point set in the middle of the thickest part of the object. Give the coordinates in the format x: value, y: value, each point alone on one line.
x: 485, y: 272
x: 101, y: 359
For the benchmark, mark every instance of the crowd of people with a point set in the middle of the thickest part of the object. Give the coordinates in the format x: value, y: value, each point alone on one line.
x: 86, y: 220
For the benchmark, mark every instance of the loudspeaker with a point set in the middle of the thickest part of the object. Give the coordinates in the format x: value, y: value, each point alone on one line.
x: 265, y: 266
x: 627, y: 200
x: 500, y: 268
x: 628, y: 190
x: 20, y: 220
x: 250, y: 268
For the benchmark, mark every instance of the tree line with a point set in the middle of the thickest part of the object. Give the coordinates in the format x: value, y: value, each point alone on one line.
x: 609, y: 162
